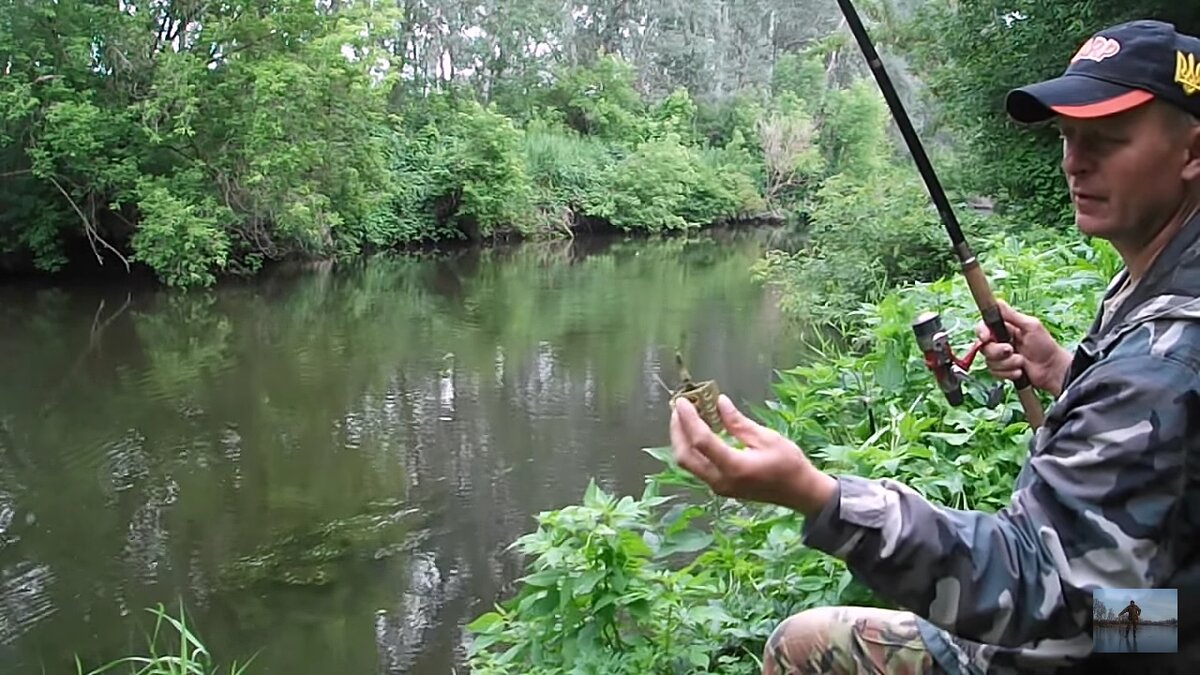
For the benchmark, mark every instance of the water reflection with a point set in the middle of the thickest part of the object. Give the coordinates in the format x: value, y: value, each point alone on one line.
x: 1144, y: 640
x: 400, y: 632
x: 231, y: 447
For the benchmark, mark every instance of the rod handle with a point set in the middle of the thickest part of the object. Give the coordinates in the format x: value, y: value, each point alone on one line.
x: 986, y: 302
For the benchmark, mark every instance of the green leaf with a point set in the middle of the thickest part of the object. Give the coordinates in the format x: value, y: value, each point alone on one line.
x: 546, y: 604
x: 619, y: 581
x: 891, y: 372
x: 634, y: 545
x: 532, y: 600
x: 605, y: 600
x: 811, y: 584
x: 687, y: 541
x: 590, y: 496
x: 486, y: 623
x: 587, y: 581
x: 663, y: 454
x: 512, y: 653
x: 955, y: 439
x: 545, y: 578
x: 844, y: 581
x: 697, y: 657
x: 782, y: 535
x: 484, y: 641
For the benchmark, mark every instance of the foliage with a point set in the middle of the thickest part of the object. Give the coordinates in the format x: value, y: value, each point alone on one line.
x: 721, y: 123
x: 801, y: 75
x: 791, y: 158
x: 202, y: 140
x: 866, y: 236
x: 179, y: 238
x: 672, y: 583
x: 675, y: 114
x: 852, y: 131
x: 638, y: 586
x: 663, y: 185
x: 564, y: 168
x: 250, y: 128
x: 190, y: 658
x: 599, y: 100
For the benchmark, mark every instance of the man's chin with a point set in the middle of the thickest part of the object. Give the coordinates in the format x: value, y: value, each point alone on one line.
x: 1091, y: 226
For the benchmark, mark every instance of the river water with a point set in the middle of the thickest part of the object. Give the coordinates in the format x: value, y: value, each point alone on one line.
x: 325, y: 467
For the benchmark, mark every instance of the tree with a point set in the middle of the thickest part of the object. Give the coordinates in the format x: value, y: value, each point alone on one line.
x: 790, y: 154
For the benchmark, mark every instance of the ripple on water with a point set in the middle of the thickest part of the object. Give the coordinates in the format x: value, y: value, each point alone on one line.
x: 24, y: 598
x: 125, y: 462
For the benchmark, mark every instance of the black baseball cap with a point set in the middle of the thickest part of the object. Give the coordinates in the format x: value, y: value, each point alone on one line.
x: 1117, y: 69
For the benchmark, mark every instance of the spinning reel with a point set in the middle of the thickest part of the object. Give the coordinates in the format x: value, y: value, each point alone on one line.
x: 949, y: 370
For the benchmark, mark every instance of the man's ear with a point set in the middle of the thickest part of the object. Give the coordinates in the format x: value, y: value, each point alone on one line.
x: 1191, y: 137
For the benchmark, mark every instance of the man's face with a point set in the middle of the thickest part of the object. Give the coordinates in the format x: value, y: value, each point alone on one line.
x: 1125, y: 171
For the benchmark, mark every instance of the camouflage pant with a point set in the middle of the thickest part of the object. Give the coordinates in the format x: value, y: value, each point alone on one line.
x: 848, y: 640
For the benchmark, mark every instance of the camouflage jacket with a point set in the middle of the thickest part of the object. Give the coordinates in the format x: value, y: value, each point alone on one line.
x: 1109, y: 497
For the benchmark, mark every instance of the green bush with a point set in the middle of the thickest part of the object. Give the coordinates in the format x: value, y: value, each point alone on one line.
x: 181, y: 239
x: 564, y: 167
x: 461, y: 174
x: 853, y: 137
x: 866, y: 236
x: 675, y: 114
x: 646, y: 190
x: 639, y: 586
x: 664, y: 186
x: 598, y: 99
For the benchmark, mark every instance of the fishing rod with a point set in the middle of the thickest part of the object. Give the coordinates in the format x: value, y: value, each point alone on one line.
x: 933, y: 341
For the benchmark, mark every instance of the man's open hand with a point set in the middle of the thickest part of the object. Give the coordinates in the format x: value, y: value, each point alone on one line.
x: 770, y: 469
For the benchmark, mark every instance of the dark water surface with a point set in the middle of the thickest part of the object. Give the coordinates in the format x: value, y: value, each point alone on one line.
x: 326, y: 467
x: 1146, y: 639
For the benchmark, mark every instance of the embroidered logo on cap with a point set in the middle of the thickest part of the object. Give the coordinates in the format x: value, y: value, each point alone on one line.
x: 1097, y: 49
x: 1187, y: 72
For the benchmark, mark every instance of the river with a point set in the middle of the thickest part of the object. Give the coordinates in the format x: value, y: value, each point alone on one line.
x: 326, y: 466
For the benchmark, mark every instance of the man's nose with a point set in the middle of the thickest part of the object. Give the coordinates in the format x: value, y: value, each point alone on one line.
x: 1074, y: 161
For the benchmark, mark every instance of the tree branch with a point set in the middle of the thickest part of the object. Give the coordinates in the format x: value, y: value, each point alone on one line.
x: 89, y: 228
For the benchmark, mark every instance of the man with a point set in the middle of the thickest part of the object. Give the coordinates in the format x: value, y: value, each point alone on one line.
x: 1110, y: 494
x: 1133, y: 612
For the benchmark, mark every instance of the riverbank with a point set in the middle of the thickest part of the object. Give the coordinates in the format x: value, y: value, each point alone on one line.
x: 587, y: 236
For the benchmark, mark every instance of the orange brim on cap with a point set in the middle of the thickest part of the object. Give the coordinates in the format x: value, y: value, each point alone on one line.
x: 1073, y: 95
x: 1112, y: 106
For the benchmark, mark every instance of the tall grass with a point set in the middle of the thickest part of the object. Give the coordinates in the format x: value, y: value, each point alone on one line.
x: 185, y: 653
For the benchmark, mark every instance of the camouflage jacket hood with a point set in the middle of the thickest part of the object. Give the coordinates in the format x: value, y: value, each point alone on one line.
x: 1109, y: 497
